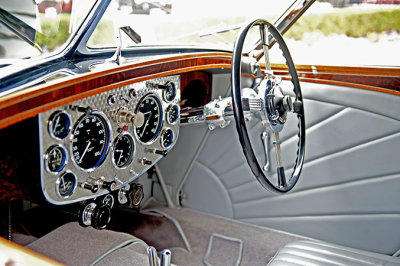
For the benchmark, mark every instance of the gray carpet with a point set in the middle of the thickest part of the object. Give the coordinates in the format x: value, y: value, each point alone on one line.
x: 75, y: 245
x: 259, y: 244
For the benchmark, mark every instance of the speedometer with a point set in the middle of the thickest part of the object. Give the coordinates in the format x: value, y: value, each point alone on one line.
x: 90, y: 141
x: 150, y: 106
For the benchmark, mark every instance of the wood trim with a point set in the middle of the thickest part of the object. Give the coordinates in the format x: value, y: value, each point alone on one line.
x: 22, y: 104
x: 383, y: 79
x: 16, y: 254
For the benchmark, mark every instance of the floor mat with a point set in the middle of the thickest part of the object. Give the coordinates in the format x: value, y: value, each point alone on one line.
x: 259, y: 244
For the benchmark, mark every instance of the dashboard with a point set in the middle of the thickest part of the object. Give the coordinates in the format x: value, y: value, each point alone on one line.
x: 102, y: 143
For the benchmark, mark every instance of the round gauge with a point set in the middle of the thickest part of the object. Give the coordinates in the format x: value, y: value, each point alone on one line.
x: 90, y: 141
x: 123, y: 150
x: 169, y: 91
x: 108, y: 200
x: 172, y: 114
x: 66, y: 184
x: 150, y: 106
x: 59, y: 125
x: 55, y: 158
x: 166, y: 138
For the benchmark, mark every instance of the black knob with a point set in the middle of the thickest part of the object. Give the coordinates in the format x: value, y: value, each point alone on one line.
x: 161, y: 152
x: 135, y: 195
x: 92, y: 187
x: 109, y: 185
x: 101, y: 217
x: 144, y: 161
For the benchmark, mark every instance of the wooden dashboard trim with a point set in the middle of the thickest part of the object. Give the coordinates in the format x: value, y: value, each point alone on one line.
x: 382, y: 79
x: 22, y: 104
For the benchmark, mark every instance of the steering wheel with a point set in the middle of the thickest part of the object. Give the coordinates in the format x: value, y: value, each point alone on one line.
x: 271, y: 105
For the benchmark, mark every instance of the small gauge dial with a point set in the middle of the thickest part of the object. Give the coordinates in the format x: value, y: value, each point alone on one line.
x: 123, y: 150
x: 55, y: 158
x: 150, y: 106
x: 59, y: 125
x: 166, y: 138
x: 90, y: 141
x: 66, y: 185
x: 169, y: 91
x: 172, y: 114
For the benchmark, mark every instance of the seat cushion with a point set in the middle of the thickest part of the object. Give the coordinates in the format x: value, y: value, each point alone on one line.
x: 306, y: 252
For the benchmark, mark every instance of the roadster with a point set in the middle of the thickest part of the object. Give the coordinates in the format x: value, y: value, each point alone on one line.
x: 194, y: 137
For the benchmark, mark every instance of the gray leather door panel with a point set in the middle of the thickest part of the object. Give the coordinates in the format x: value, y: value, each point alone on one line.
x: 348, y: 192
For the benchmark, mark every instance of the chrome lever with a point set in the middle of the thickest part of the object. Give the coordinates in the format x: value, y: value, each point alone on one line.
x: 265, y: 140
x: 165, y: 257
x: 153, y: 259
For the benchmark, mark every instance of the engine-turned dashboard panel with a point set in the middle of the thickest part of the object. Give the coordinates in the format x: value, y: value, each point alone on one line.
x: 101, y: 143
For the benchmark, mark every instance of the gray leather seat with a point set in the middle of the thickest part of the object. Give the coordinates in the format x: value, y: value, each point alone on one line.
x: 305, y: 252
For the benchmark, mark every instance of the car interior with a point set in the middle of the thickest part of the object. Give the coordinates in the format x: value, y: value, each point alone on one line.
x: 177, y: 155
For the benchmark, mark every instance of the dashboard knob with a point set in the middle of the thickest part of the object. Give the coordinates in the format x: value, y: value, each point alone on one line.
x: 101, y: 216
x: 144, y: 161
x: 92, y: 187
x: 124, y: 116
x: 110, y: 186
x: 136, y: 195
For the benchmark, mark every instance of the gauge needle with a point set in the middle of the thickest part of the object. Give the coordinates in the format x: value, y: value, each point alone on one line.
x: 144, y: 129
x: 120, y: 155
x: 56, y: 124
x: 63, y: 182
x: 84, y: 152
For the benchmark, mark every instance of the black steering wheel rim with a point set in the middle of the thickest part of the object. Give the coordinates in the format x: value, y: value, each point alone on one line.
x: 239, y: 115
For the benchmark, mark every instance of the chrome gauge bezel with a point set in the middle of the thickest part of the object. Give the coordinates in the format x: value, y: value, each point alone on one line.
x: 58, y: 181
x: 133, y: 150
x: 161, y: 138
x: 51, y: 121
x: 167, y: 112
x: 165, y: 92
x: 161, y: 119
x: 108, y: 145
x: 46, y: 158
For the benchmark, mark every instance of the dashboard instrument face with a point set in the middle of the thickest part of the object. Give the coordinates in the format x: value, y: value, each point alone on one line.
x: 98, y: 139
x: 66, y: 185
x: 59, y: 125
x: 56, y: 158
x: 123, y: 150
x: 169, y: 92
x: 150, y: 106
x: 172, y: 114
x: 166, y: 138
x: 90, y: 141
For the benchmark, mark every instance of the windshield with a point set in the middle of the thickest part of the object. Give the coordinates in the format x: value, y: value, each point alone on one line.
x: 32, y: 28
x: 176, y: 22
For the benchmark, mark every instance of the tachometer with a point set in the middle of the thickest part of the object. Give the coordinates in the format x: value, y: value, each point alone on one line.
x: 150, y: 106
x: 90, y: 141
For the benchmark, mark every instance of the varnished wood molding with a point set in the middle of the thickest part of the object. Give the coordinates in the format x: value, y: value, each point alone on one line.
x: 22, y: 104
x: 383, y: 79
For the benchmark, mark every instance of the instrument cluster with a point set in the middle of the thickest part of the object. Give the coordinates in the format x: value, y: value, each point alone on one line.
x: 103, y: 142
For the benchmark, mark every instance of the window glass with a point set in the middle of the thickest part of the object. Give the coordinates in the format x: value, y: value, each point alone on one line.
x: 351, y: 32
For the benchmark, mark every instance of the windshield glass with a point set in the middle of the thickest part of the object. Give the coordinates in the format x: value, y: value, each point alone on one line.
x: 207, y: 23
x: 31, y: 28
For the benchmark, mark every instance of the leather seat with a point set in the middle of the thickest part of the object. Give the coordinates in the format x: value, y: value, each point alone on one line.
x: 306, y: 252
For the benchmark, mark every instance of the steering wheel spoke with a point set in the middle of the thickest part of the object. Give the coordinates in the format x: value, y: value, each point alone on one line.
x: 270, y: 104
